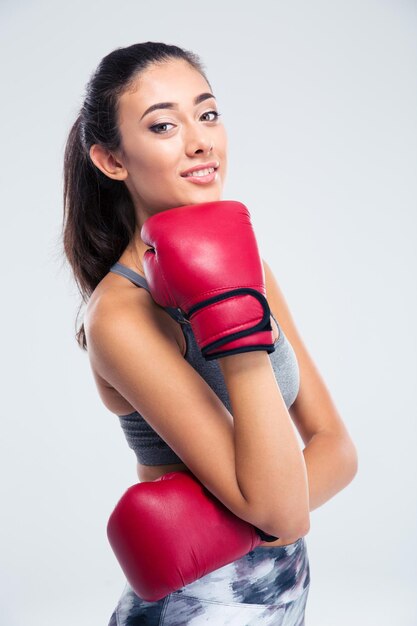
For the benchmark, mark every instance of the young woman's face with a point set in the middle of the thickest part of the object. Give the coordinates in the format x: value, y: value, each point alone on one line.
x: 158, y: 146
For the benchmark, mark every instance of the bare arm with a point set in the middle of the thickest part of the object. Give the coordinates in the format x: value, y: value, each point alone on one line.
x: 270, y: 467
x: 331, y: 463
x: 330, y: 454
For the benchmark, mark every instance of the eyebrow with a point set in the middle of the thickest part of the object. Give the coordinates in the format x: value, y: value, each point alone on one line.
x: 173, y: 105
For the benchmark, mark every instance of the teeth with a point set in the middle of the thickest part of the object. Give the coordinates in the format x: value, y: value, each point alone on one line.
x: 205, y: 172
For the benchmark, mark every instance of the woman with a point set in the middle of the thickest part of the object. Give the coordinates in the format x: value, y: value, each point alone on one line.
x: 149, y: 138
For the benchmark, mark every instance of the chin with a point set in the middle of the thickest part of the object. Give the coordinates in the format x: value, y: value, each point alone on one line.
x: 205, y: 195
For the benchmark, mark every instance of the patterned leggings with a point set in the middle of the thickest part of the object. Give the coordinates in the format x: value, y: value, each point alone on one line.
x: 267, y: 586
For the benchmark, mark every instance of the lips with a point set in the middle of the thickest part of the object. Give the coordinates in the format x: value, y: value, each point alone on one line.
x: 202, y: 179
x: 201, y: 166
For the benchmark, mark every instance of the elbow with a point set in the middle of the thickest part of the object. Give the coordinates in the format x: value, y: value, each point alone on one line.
x: 355, y: 461
x: 290, y: 530
x: 288, y: 519
x: 288, y: 534
x: 350, y: 461
x: 295, y: 531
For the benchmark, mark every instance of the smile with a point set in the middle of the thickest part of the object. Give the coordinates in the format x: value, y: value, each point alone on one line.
x: 205, y: 172
x: 201, y: 177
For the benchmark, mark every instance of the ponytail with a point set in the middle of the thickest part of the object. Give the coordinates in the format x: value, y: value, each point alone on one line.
x: 99, y: 219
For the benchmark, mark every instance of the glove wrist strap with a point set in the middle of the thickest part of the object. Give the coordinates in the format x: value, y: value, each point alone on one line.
x: 217, y: 321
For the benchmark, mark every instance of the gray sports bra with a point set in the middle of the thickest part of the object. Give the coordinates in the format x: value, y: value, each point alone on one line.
x: 149, y: 447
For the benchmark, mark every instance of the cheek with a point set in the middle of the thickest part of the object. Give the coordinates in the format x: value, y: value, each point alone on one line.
x: 143, y: 153
x: 222, y: 138
x: 222, y: 145
x: 160, y: 159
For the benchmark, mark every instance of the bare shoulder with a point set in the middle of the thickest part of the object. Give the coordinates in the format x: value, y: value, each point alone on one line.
x: 114, y: 298
x: 111, y: 291
x: 115, y: 301
x: 114, y: 291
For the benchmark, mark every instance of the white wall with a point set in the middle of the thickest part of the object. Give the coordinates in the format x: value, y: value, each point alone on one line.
x: 319, y: 99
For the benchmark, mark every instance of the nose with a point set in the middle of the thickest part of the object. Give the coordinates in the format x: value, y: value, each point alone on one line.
x: 198, y: 141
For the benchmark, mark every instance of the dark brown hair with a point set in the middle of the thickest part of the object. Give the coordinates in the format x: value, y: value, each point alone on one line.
x: 99, y: 217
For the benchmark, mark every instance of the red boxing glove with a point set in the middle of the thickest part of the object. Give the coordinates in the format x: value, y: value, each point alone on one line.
x: 205, y: 260
x: 168, y: 532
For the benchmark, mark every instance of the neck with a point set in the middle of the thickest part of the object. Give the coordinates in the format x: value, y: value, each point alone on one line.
x: 132, y: 256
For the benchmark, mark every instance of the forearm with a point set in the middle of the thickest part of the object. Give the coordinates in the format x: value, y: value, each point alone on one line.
x: 331, y: 462
x: 270, y: 468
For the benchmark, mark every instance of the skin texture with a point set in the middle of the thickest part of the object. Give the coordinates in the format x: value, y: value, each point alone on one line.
x: 150, y: 164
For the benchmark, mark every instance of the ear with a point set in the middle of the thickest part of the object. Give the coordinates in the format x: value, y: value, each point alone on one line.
x: 107, y: 162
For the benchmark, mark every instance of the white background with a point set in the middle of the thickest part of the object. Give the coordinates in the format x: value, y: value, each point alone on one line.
x: 319, y: 99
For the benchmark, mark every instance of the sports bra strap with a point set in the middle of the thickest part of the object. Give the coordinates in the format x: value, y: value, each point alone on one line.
x: 140, y: 281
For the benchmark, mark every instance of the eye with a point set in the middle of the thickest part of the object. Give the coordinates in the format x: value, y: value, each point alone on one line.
x: 215, y: 113
x: 155, y: 128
